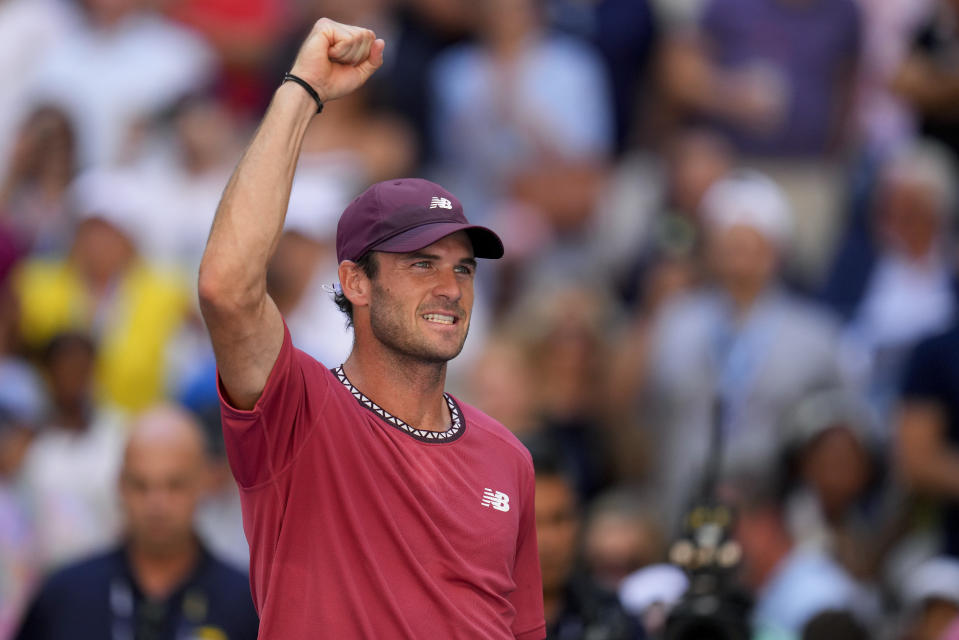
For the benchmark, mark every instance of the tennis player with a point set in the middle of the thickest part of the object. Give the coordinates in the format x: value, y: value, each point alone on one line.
x: 375, y: 504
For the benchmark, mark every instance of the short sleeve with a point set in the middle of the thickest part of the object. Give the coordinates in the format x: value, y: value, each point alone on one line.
x: 262, y: 442
x: 527, y: 599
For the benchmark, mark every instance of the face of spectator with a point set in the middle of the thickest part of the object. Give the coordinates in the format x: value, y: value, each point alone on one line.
x: 161, y: 481
x: 70, y: 371
x: 507, y: 21
x: 45, y: 146
x: 743, y: 260
x: 836, y: 467
x: 909, y: 222
x: 420, y: 303
x: 557, y: 526
x: 100, y: 250
x: 205, y: 130
x: 501, y: 383
x: 291, y: 269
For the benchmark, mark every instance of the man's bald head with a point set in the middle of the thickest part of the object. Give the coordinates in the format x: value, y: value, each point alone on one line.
x: 162, y: 429
x: 162, y: 478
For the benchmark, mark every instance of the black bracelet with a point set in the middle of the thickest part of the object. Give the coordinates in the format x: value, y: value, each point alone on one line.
x: 306, y: 85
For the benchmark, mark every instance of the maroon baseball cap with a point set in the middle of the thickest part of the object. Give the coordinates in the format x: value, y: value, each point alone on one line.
x: 398, y: 216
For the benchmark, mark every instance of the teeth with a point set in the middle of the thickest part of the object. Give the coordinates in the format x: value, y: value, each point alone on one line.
x: 442, y: 319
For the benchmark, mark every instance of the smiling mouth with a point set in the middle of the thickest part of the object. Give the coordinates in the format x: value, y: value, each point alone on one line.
x: 440, y: 318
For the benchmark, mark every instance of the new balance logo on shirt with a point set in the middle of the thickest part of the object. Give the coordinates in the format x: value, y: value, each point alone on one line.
x: 495, y: 499
x: 440, y: 203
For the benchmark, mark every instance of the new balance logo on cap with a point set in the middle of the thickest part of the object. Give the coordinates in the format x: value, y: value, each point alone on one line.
x: 495, y: 499
x: 440, y: 203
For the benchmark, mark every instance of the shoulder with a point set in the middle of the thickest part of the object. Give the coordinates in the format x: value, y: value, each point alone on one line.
x: 494, y: 434
x: 82, y: 576
x: 227, y: 581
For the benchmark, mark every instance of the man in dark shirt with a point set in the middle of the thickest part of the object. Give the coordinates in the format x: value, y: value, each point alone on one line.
x: 928, y: 427
x: 576, y: 607
x: 160, y: 583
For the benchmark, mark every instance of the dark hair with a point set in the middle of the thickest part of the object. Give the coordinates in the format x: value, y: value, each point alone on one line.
x: 367, y: 263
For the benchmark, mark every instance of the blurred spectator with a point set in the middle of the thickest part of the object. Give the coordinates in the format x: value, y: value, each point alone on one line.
x: 624, y: 32
x: 28, y: 28
x: 245, y: 34
x: 929, y: 78
x: 22, y: 403
x: 927, y: 428
x: 575, y: 607
x: 70, y: 470
x: 160, y: 582
x: 623, y: 534
x: 792, y: 583
x: 656, y: 251
x: 742, y: 344
x: 884, y: 119
x: 522, y: 116
x: 931, y: 600
x: 776, y: 75
x: 565, y: 330
x: 503, y: 383
x: 34, y: 191
x: 104, y: 287
x: 119, y: 69
x: 831, y: 505
x: 420, y: 31
x: 176, y: 188
x: 303, y: 269
x: 358, y: 144
x: 18, y: 570
x: 904, y: 291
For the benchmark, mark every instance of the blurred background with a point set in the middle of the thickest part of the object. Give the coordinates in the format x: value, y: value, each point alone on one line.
x: 725, y: 324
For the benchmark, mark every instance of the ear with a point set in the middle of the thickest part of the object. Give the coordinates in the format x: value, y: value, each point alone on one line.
x: 355, y: 283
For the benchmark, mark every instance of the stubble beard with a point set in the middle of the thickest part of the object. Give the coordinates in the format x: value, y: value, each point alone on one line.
x: 387, y: 327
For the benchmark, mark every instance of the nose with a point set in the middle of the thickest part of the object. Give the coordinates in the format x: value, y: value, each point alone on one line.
x: 447, y: 285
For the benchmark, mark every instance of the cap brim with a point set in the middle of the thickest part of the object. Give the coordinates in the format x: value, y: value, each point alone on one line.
x: 486, y: 244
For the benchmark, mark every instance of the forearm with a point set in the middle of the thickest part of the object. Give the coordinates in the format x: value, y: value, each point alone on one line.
x: 250, y: 217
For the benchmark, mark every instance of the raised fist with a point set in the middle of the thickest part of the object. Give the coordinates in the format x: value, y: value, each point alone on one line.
x: 337, y: 58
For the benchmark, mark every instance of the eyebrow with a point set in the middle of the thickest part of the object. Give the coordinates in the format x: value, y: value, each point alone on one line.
x: 419, y: 255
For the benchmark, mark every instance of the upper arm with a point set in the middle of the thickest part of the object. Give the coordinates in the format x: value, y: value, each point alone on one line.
x: 246, y: 342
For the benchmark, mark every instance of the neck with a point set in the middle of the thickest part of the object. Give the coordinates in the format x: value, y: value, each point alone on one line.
x: 408, y: 388
x: 159, y: 571
x: 73, y: 415
x: 743, y: 298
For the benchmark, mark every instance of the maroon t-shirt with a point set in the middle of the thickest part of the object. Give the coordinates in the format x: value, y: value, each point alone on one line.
x: 361, y: 526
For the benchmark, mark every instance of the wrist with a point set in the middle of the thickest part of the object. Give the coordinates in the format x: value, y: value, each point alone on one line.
x: 292, y: 95
x: 307, y: 87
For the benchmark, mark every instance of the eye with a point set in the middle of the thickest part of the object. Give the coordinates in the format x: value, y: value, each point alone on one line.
x: 422, y: 264
x: 464, y: 269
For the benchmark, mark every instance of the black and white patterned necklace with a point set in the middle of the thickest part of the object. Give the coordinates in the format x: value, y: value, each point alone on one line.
x: 456, y: 426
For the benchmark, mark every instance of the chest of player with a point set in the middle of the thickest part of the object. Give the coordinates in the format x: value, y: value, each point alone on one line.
x: 450, y: 508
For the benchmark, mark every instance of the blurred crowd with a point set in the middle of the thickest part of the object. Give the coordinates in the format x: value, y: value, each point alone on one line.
x: 726, y: 323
